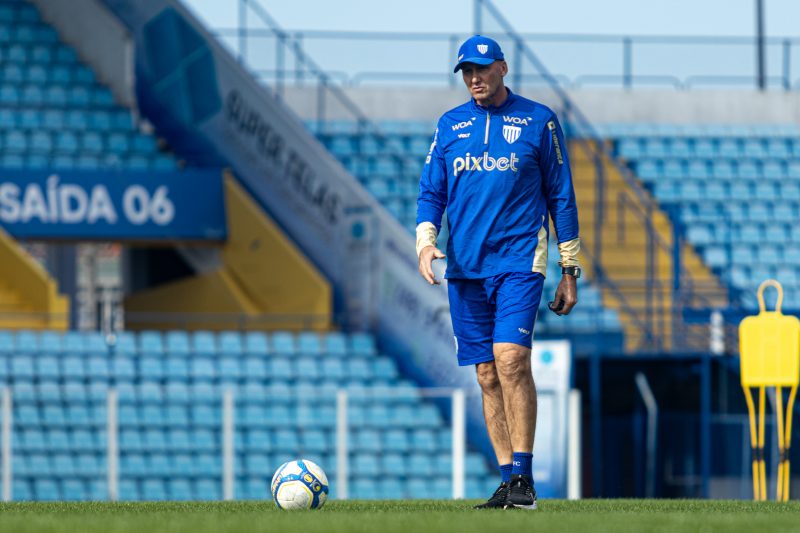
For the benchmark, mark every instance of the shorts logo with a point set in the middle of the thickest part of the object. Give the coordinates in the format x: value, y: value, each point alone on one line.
x: 483, y: 48
x: 524, y: 331
x: 511, y: 133
x: 455, y: 340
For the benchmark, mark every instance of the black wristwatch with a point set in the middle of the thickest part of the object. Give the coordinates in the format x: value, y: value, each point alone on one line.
x: 574, y: 271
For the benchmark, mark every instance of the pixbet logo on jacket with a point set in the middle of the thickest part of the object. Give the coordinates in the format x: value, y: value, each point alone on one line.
x: 485, y: 163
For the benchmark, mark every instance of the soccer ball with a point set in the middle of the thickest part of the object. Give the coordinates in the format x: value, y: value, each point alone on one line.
x: 299, y: 484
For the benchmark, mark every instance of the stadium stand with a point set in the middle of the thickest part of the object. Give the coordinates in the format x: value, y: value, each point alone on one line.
x: 730, y: 188
x: 54, y: 113
x: 389, y: 167
x: 169, y: 390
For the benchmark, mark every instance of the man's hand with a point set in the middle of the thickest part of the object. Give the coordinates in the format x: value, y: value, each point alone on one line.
x: 426, y: 258
x: 566, y: 295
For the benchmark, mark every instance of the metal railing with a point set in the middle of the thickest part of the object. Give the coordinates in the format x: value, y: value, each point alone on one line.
x: 680, y: 62
x: 227, y: 431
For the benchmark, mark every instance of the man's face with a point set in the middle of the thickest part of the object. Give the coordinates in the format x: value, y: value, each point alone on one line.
x: 484, y: 81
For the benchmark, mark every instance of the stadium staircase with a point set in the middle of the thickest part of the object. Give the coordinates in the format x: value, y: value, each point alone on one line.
x: 734, y: 190
x: 29, y: 297
x: 169, y: 389
x: 618, y: 224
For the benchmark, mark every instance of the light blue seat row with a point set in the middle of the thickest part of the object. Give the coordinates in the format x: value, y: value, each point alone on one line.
x: 77, y: 96
x: 90, y: 143
x: 694, y: 131
x: 719, y: 169
x: 739, y: 212
x: 182, y: 343
x: 707, y: 148
x: 73, y: 120
x: 61, y: 75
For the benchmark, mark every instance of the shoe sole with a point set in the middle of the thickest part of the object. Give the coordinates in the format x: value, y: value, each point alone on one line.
x: 531, y: 507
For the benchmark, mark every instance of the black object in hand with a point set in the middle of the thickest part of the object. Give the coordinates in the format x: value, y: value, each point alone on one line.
x: 556, y: 308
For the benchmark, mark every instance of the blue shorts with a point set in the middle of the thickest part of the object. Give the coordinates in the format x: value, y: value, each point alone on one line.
x: 501, y: 308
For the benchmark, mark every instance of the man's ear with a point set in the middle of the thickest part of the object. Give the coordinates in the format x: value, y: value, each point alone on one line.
x: 503, y: 67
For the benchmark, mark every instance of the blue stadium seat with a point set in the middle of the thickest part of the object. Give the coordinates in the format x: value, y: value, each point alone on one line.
x: 359, y: 368
x: 280, y: 369
x: 230, y: 343
x: 204, y: 343
x: 335, y: 344
x: 362, y: 344
x: 393, y: 464
x: 205, y: 416
x: 423, y: 440
x: 48, y: 368
x: 150, y: 393
x: 229, y: 369
x: 129, y: 490
x: 151, y: 368
x: 124, y: 343
x: 180, y: 490
x: 154, y: 490
x: 46, y: 490
x: 283, y: 343
x: 366, y: 465
x: 256, y: 343
x: 255, y: 368
x: 97, y: 367
x: 308, y: 368
x: 150, y: 343
x: 207, y: 489
x: 176, y: 392
x: 384, y: 369
x: 177, y: 343
x: 203, y: 369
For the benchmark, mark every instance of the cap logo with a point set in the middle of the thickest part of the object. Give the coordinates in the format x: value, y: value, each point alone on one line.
x: 483, y: 48
x: 460, y: 57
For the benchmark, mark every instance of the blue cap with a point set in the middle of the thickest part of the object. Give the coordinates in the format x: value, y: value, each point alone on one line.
x: 478, y: 49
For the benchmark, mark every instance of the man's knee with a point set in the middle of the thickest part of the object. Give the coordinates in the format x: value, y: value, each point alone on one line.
x: 513, y: 362
x: 487, y: 376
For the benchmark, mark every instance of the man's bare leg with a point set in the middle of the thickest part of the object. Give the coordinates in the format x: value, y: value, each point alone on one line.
x: 494, y: 411
x: 513, y: 364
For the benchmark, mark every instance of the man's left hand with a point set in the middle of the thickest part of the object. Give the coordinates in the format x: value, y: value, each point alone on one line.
x: 566, y: 295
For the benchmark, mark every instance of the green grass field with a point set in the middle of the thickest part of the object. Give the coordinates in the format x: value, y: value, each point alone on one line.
x: 414, y: 516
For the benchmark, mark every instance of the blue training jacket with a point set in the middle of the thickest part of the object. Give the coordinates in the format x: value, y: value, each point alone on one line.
x: 498, y: 171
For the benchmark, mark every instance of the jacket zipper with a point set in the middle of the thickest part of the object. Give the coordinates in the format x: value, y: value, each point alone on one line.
x: 486, y: 135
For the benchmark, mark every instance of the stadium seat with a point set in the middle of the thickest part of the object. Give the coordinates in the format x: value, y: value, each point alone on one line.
x: 283, y: 343
x: 256, y: 343
x: 204, y: 343
x: 230, y: 343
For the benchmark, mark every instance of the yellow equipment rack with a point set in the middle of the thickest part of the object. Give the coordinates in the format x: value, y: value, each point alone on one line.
x: 770, y: 357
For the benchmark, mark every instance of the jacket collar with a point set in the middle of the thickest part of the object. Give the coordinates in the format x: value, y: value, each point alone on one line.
x: 475, y: 107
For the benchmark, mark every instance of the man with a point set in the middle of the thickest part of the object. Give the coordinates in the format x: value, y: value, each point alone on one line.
x: 498, y: 164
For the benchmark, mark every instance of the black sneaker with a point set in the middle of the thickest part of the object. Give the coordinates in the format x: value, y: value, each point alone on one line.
x: 521, y: 494
x: 498, y: 499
